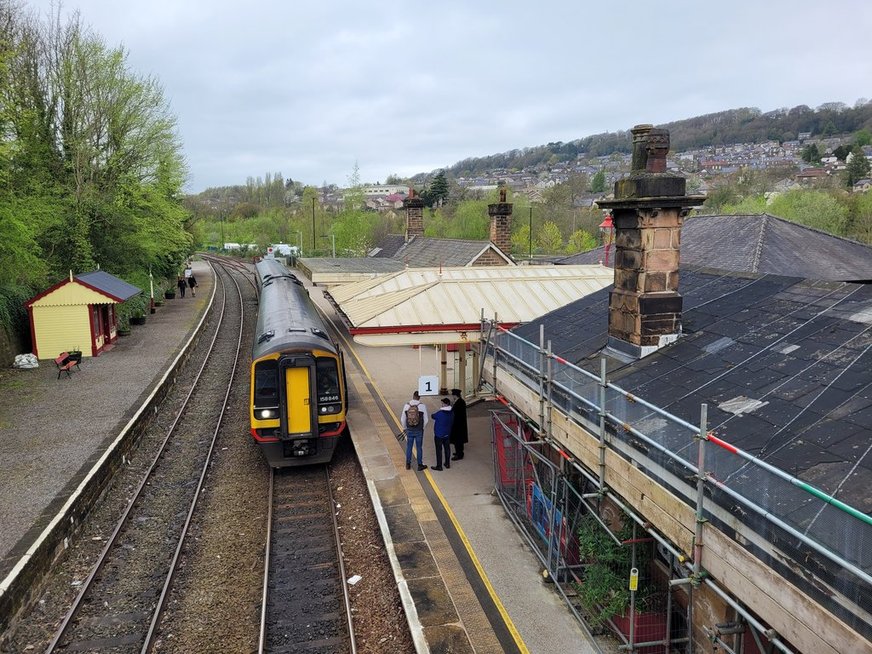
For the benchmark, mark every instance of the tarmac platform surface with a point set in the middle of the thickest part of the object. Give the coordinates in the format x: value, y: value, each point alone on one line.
x: 468, y: 580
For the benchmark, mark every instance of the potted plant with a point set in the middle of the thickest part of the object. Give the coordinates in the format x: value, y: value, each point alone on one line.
x: 75, y: 354
x: 137, y: 318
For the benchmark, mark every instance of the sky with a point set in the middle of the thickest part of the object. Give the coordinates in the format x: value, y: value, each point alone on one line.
x: 315, y: 90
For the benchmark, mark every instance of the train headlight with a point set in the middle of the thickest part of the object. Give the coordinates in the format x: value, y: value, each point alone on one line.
x: 329, y: 408
x: 266, y: 414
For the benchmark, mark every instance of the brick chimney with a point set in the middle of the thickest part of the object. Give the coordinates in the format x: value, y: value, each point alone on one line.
x: 501, y: 223
x: 648, y: 211
x: 414, y: 215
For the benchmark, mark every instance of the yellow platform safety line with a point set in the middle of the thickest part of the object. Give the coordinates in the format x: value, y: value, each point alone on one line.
x: 519, y: 642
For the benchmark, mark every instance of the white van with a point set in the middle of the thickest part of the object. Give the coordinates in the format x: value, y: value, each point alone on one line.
x: 282, y: 250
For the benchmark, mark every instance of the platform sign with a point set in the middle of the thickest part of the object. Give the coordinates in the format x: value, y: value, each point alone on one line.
x: 428, y: 385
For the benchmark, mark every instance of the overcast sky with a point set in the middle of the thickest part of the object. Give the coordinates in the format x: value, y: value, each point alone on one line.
x: 308, y: 89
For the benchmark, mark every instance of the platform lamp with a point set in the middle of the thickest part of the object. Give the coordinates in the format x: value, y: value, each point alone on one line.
x: 332, y: 237
x: 607, y: 229
x: 151, y: 288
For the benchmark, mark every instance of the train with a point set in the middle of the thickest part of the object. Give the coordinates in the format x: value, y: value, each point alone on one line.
x: 298, y: 400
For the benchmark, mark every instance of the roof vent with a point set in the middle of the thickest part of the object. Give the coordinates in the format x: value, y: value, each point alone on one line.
x: 320, y: 332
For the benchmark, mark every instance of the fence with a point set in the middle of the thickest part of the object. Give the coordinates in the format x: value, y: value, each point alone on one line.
x: 830, y: 540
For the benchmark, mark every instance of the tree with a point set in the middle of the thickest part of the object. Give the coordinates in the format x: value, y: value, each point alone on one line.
x: 863, y: 137
x: 857, y: 168
x: 811, y: 154
x: 549, y: 239
x: 581, y: 241
x: 813, y: 208
x: 439, y: 189
x: 521, y: 243
x: 598, y: 182
x: 841, y: 153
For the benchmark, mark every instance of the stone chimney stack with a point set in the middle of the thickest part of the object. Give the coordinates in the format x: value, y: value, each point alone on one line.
x: 414, y: 215
x: 648, y: 211
x: 501, y: 223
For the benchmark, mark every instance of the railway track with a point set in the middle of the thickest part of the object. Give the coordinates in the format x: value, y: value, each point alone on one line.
x: 305, y: 598
x: 120, y: 602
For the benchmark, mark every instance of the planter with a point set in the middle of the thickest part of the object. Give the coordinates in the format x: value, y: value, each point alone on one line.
x: 74, y: 355
x: 170, y: 295
x: 648, y: 627
x: 124, y: 331
x: 137, y: 320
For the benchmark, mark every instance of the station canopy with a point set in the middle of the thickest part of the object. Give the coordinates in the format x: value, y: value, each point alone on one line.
x: 428, y: 306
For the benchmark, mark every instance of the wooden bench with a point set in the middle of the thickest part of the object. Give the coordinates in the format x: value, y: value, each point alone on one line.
x: 65, y: 364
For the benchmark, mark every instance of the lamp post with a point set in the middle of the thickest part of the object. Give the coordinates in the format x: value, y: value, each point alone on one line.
x: 313, y: 225
x: 300, y: 234
x: 607, y: 228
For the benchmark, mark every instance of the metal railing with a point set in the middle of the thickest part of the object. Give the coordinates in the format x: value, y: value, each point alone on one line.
x: 831, y: 540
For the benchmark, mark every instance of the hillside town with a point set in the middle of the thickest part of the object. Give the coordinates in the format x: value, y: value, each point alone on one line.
x: 704, y: 168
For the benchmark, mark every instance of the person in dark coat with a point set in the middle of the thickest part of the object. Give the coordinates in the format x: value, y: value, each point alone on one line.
x: 459, y: 431
x: 182, y: 284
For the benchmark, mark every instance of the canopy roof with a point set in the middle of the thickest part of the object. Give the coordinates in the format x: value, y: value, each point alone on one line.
x: 420, y: 306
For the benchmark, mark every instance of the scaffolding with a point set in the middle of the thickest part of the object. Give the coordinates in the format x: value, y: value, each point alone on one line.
x: 547, y: 493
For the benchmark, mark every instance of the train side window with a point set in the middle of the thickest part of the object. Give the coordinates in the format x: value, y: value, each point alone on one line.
x: 266, y: 383
x: 327, y: 380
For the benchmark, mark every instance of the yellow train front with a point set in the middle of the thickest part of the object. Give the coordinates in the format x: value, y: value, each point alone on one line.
x: 297, y: 397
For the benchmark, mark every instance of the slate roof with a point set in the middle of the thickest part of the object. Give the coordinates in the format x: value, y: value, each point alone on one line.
x: 388, y: 246
x: 802, y: 349
x: 762, y: 244
x: 428, y: 252
x: 109, y: 284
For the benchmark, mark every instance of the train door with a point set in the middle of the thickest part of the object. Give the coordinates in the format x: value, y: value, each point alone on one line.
x: 300, y: 418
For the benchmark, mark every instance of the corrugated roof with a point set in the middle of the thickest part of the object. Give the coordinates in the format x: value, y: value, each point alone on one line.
x: 456, y: 296
x: 762, y: 244
x: 109, y: 284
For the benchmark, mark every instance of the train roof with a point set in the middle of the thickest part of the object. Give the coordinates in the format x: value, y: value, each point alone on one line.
x: 287, y: 319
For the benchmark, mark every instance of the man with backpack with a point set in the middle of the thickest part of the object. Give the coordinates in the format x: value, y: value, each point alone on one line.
x: 414, y: 418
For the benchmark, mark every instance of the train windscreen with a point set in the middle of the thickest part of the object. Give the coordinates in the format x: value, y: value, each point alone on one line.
x: 329, y: 397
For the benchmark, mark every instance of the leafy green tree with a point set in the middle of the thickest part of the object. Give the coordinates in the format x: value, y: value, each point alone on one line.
x: 598, y: 182
x: 581, y: 241
x: 749, y: 205
x: 811, y: 154
x: 863, y: 137
x: 813, y: 208
x: 471, y: 220
x: 549, y: 239
x: 857, y: 168
x: 521, y: 244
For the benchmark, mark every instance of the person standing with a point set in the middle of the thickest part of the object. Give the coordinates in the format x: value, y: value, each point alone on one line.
x: 182, y: 284
x: 413, y: 419
x: 192, y: 281
x: 441, y: 433
x: 459, y: 431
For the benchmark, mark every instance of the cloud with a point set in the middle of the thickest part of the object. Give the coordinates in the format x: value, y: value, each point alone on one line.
x: 309, y: 88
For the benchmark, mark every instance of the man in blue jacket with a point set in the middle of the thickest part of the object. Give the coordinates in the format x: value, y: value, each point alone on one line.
x: 441, y: 432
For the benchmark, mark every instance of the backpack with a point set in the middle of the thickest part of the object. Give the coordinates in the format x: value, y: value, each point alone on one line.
x: 413, y: 416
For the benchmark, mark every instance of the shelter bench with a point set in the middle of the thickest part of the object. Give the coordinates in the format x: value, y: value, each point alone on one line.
x: 65, y: 364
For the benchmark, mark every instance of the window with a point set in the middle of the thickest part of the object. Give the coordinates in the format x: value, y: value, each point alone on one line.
x: 327, y: 379
x: 266, y: 384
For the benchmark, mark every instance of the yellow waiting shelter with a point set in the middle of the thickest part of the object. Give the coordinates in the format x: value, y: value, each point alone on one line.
x: 77, y: 314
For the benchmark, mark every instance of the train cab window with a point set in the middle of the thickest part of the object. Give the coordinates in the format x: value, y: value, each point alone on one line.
x: 266, y: 383
x: 329, y: 398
